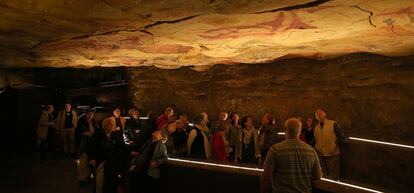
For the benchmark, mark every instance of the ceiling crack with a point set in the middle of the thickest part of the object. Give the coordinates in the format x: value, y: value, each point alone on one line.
x: 171, y: 21
x: 141, y: 29
x: 370, y: 14
x: 293, y: 7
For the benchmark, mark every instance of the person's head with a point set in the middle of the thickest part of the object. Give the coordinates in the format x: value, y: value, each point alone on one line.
x: 50, y: 108
x: 182, y: 122
x: 89, y: 115
x: 267, y: 119
x: 116, y: 112
x: 247, y: 122
x: 223, y: 116
x: 169, y: 112
x: 199, y: 120
x: 183, y: 118
x: 234, y: 118
x: 320, y: 115
x: 156, y: 135
x: 171, y: 127
x: 68, y: 107
x: 292, y: 128
x: 204, y: 115
x: 180, y: 125
x: 309, y: 121
x: 223, y: 126
x: 134, y: 113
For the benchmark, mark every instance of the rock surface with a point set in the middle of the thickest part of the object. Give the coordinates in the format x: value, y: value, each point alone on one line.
x: 370, y: 96
x: 198, y: 33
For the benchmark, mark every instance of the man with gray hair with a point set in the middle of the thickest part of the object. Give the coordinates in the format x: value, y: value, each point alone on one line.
x: 291, y: 165
x: 329, y: 141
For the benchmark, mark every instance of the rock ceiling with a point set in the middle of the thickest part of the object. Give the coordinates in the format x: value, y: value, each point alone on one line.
x: 198, y: 33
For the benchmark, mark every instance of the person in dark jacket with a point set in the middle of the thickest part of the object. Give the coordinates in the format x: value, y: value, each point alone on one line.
x: 145, y: 168
x: 116, y: 165
x: 180, y: 137
x: 148, y: 126
x: 307, y: 132
x: 96, y: 150
x: 268, y: 135
x: 86, y: 129
x: 198, y: 145
x: 248, y: 149
x: 133, y: 128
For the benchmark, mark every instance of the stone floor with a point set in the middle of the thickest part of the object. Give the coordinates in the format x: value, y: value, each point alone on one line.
x: 31, y: 175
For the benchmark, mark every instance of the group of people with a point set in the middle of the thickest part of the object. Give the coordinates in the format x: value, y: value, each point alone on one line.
x: 127, y: 153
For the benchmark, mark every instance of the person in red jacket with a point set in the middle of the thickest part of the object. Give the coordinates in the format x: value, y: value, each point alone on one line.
x: 221, y: 145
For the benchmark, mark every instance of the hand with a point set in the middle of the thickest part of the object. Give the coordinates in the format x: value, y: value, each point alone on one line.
x: 92, y: 163
x: 134, y: 153
x: 153, y: 164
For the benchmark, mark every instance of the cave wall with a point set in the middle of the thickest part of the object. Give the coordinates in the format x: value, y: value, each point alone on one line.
x: 370, y: 96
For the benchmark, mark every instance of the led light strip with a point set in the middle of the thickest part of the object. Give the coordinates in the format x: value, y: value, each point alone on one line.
x: 261, y: 170
x: 350, y: 185
x: 373, y: 141
x: 213, y: 164
x: 381, y: 142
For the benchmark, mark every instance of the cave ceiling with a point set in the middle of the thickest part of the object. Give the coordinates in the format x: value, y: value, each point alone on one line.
x: 198, y: 33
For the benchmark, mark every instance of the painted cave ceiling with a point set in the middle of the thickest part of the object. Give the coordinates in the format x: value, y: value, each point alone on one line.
x: 198, y: 33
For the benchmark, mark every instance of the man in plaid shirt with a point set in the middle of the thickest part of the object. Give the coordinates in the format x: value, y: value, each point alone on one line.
x: 291, y: 165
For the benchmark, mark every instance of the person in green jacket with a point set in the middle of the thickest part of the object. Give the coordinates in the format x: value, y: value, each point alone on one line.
x: 145, y: 168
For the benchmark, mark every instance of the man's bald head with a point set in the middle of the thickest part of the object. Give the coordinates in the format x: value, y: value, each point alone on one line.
x: 292, y: 128
x: 320, y: 115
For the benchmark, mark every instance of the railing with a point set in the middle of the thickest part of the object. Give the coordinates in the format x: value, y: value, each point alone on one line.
x: 323, y: 184
x: 374, y: 141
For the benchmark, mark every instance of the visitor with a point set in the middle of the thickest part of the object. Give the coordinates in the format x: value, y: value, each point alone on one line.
x: 198, y: 146
x: 67, y: 121
x: 329, y: 140
x: 248, y: 150
x: 291, y: 165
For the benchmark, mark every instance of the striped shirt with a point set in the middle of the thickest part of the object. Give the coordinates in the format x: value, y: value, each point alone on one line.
x: 293, y: 165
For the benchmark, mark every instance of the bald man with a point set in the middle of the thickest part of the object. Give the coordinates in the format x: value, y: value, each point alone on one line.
x: 329, y: 138
x: 291, y: 165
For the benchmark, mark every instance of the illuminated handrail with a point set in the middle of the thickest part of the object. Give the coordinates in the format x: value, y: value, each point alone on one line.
x: 381, y: 142
x: 373, y: 141
x: 261, y: 170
